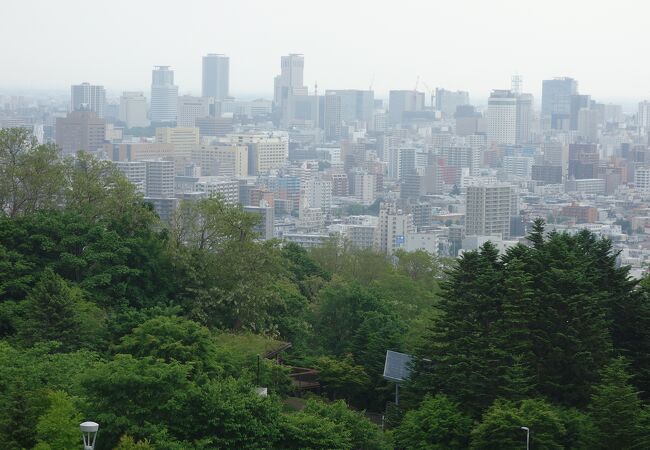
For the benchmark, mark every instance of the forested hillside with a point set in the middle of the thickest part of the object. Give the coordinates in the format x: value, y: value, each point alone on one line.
x: 161, y: 332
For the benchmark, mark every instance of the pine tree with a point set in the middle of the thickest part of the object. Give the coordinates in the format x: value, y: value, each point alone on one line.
x: 615, y: 408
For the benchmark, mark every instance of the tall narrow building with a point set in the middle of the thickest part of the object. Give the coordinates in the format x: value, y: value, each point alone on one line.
x: 216, y: 76
x: 489, y: 209
x: 556, y: 101
x: 164, y: 95
x: 502, y: 117
x: 88, y: 97
x: 133, y: 109
x: 290, y: 80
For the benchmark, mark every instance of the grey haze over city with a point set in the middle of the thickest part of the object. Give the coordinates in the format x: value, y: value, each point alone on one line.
x: 471, y: 45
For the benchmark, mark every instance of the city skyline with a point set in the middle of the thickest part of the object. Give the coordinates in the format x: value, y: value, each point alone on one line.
x: 390, y: 50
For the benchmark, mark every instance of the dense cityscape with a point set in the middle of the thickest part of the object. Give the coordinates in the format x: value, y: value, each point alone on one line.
x: 358, y: 227
x: 424, y: 168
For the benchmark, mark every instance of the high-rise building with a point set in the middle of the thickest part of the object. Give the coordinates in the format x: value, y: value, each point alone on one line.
x: 400, y: 102
x: 160, y: 178
x: 332, y: 116
x: 290, y: 80
x: 356, y: 105
x: 524, y: 117
x: 216, y: 76
x: 135, y: 172
x: 448, y: 101
x: 502, y: 117
x: 393, y: 228
x: 89, y: 97
x: 164, y: 95
x: 578, y: 102
x: 556, y: 101
x: 583, y: 161
x: 643, y: 116
x: 191, y: 108
x: 80, y: 130
x: 133, y: 109
x: 489, y: 209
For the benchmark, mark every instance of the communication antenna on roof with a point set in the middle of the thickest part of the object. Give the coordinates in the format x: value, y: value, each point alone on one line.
x: 516, y: 84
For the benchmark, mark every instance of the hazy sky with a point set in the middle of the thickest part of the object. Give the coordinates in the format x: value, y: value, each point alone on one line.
x: 474, y: 45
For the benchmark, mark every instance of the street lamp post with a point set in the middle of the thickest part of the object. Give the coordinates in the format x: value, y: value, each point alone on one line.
x: 527, y: 430
x: 89, y: 434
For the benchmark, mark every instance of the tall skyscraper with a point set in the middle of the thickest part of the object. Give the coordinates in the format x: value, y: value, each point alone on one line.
x: 524, y: 117
x: 290, y: 80
x: 643, y: 116
x: 164, y: 95
x: 216, y: 76
x: 356, y: 105
x: 448, y: 101
x: 89, y: 97
x: 400, y: 102
x: 133, y: 109
x: 332, y: 119
x: 502, y: 117
x: 489, y: 209
x: 556, y: 100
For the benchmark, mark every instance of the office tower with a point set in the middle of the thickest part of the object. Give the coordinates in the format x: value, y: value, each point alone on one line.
x: 524, y: 117
x: 133, y: 109
x: 356, y: 105
x: 643, y: 116
x: 546, y: 174
x: 400, y: 102
x: 191, y: 108
x: 89, y: 97
x: 332, y: 117
x: 222, y: 160
x: 393, y: 227
x: 401, y: 162
x: 583, y: 161
x: 468, y: 120
x: 578, y: 102
x: 301, y: 111
x: 160, y: 178
x: 589, y: 121
x: 448, y: 101
x: 216, y: 76
x: 556, y: 101
x: 80, y: 130
x: 489, y: 209
x: 290, y: 80
x: 164, y: 95
x: 502, y: 117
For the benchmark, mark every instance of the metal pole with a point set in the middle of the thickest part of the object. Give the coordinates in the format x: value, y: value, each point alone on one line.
x: 527, y: 430
x: 396, y: 394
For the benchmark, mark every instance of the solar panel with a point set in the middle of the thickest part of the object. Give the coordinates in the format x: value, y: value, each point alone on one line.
x: 397, y: 367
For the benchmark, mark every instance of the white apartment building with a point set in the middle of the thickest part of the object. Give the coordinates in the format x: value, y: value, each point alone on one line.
x: 135, y: 172
x: 489, y: 209
x: 392, y: 229
x: 364, y: 187
x: 226, y: 188
x: 318, y: 193
x: 160, y: 178
x: 642, y: 179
